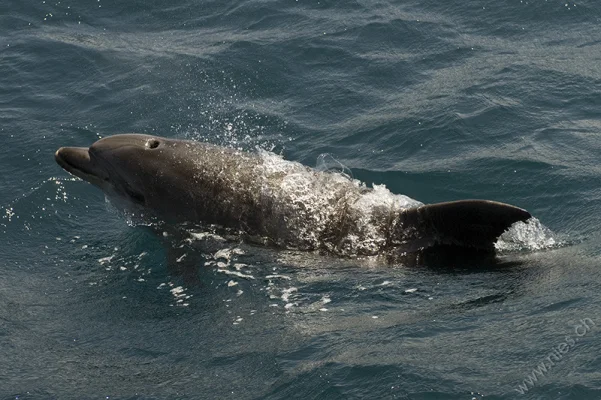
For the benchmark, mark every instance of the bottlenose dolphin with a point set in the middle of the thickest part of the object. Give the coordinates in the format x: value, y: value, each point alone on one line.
x: 282, y: 202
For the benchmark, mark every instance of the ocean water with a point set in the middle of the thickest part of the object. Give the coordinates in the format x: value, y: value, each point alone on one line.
x: 436, y: 100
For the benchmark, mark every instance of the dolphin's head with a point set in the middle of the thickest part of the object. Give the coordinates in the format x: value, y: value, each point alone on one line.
x: 143, y: 169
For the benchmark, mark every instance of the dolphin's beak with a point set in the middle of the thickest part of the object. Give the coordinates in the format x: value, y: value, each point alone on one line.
x: 76, y: 161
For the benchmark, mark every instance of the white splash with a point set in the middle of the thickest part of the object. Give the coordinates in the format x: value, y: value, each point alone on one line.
x: 529, y: 235
x: 105, y: 260
x: 327, y: 209
x: 204, y: 236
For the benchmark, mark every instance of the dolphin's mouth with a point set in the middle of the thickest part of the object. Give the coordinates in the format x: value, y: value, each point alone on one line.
x: 76, y: 161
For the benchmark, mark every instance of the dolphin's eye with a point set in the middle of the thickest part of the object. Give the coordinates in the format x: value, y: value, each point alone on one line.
x: 152, y: 144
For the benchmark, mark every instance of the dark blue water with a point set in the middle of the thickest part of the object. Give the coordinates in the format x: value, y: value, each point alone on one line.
x: 438, y: 100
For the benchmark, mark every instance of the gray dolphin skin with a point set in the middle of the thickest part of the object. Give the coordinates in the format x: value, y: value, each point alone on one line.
x: 282, y: 202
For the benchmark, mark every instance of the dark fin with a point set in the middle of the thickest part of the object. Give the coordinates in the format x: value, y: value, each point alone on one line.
x: 466, y: 223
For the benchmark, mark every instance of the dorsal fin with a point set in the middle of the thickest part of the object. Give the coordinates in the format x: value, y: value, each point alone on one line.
x: 465, y: 223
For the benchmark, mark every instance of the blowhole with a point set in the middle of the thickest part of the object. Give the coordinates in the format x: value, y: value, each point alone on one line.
x: 152, y: 143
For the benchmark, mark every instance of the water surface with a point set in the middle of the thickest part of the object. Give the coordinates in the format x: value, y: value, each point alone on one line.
x: 436, y: 100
